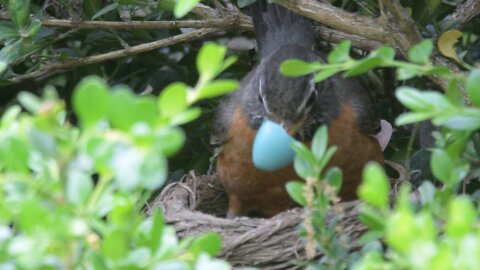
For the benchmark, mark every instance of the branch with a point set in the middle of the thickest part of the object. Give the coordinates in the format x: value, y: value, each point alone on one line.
x: 116, y: 54
x: 401, y: 26
x: 339, y: 19
x: 334, y: 36
x: 223, y: 23
x: 227, y: 21
x: 465, y: 12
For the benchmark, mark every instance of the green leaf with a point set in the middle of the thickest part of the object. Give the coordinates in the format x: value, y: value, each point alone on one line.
x: 205, y: 262
x: 363, y: 66
x: 153, y: 171
x: 400, y: 230
x: 439, y: 71
x: 115, y: 245
x: 156, y: 232
x: 473, y: 86
x: 407, y: 73
x: 19, y: 11
x: 100, y: 150
x: 442, y: 167
x: 426, y: 226
x: 121, y: 107
x: 295, y: 189
x: 186, y: 116
x: 211, y: 243
x: 425, y: 101
x: 375, y: 187
x: 105, y: 10
x: 216, y: 88
x: 43, y: 142
x: 123, y: 211
x: 78, y: 187
x: 30, y: 102
x: 31, y: 215
x: 182, y: 7
x: 385, y: 53
x: 173, y: 99
x: 303, y: 151
x: 210, y: 60
x: 462, y: 122
x: 420, y: 53
x: 297, y: 67
x: 90, y: 101
x: 319, y: 142
x: 10, y: 115
x: 325, y: 159
x: 145, y: 110
x: 7, y: 32
x: 34, y: 27
x: 341, y: 53
x: 303, y: 168
x: 372, y: 218
x: 127, y: 163
x: 334, y: 178
x: 409, y: 118
x: 3, y: 66
x: 169, y: 141
x: 14, y: 154
x: 327, y: 73
x: 461, y: 217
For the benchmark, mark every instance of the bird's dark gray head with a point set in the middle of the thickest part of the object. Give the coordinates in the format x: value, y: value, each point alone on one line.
x: 287, y: 100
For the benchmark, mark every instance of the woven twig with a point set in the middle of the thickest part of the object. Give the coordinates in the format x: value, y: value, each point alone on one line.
x: 197, y: 205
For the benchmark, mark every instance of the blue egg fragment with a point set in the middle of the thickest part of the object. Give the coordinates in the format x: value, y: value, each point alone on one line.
x: 271, y: 147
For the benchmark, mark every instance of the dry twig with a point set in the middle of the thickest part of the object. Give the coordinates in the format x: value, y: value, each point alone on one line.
x: 116, y: 54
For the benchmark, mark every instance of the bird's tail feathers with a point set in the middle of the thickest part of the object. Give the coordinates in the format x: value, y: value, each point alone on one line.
x: 276, y: 26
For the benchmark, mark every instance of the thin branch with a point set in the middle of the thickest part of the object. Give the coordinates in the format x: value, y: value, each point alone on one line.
x: 116, y: 54
x: 223, y: 22
x: 209, y: 23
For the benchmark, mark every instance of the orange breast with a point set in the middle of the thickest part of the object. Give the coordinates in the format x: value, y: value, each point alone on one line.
x: 354, y: 150
x: 249, y: 188
x: 252, y: 189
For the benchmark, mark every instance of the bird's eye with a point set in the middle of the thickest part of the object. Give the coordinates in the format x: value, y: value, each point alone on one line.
x: 311, y: 99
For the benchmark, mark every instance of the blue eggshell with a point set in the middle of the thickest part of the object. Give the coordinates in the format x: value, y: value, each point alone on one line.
x: 271, y: 147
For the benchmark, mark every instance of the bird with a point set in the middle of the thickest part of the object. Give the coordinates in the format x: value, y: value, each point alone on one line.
x: 300, y: 105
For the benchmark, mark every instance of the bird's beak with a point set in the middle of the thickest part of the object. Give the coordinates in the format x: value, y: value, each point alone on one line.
x: 292, y: 128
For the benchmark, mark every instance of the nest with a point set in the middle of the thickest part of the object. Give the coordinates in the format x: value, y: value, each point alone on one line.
x: 198, y: 204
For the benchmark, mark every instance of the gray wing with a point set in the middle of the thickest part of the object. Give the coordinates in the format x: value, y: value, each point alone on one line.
x: 361, y: 99
x: 247, y: 97
x: 223, y: 119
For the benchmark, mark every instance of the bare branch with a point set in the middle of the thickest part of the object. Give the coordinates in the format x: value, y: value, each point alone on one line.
x: 334, y: 36
x: 401, y: 27
x: 339, y: 19
x: 466, y: 12
x: 208, y: 23
x: 116, y: 54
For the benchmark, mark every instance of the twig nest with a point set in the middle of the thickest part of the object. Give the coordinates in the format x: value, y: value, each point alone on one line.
x: 198, y: 204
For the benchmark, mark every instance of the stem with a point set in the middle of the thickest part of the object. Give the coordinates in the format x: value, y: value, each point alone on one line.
x: 410, y: 146
x: 309, y: 198
x: 97, y: 192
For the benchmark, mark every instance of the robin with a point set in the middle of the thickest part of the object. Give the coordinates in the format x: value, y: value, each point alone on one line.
x: 300, y: 106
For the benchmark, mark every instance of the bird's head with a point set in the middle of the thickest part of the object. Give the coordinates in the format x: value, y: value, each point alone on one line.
x: 287, y: 101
